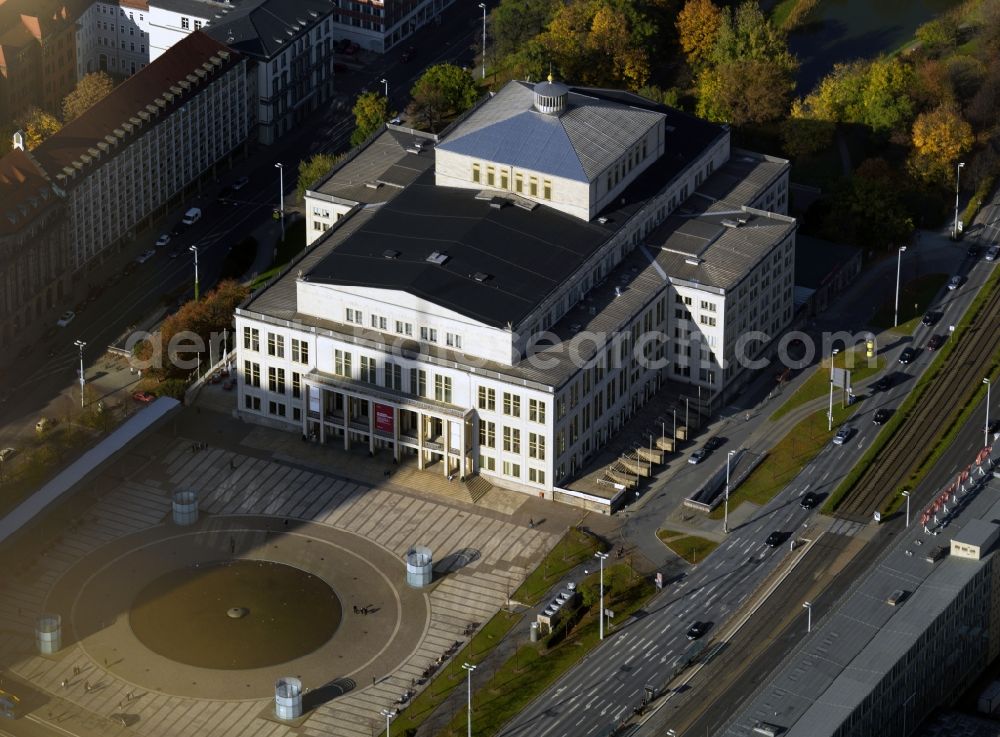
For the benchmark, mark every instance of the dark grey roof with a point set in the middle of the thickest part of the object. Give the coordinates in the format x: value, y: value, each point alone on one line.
x: 195, y: 8
x: 978, y: 532
x: 591, y: 134
x: 262, y: 29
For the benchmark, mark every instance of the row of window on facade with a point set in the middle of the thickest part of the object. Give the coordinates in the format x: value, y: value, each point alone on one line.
x: 186, y: 23
x: 427, y: 334
x: 502, y: 180
x: 635, y: 155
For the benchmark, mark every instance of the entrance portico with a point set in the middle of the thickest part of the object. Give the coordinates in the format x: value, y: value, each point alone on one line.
x: 334, y: 407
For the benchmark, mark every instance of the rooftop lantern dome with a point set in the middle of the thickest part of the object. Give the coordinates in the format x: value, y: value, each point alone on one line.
x: 550, y: 97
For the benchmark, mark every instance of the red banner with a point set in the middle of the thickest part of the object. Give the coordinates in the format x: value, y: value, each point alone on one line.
x: 383, y: 418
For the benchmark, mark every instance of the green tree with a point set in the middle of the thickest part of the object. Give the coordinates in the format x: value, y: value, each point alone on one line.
x: 751, y: 91
x: 940, y: 138
x: 872, y: 93
x: 531, y: 61
x: 869, y: 209
x: 442, y: 90
x: 697, y: 28
x: 514, y: 23
x: 938, y: 35
x: 311, y: 170
x: 90, y: 90
x: 803, y: 136
x: 37, y: 126
x: 371, y: 110
x: 747, y: 35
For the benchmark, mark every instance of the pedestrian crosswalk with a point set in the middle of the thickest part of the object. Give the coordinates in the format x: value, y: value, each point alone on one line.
x: 846, y: 527
x: 231, y: 483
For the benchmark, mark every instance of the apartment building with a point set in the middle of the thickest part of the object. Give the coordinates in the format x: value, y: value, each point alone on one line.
x: 114, y: 37
x: 501, y: 299
x: 378, y: 25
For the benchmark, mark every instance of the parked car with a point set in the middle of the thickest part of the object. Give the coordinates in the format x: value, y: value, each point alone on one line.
x: 240, y: 183
x: 192, y: 216
x: 396, y: 121
x: 930, y: 317
x: 774, y: 539
x: 955, y: 282
x: 145, y: 257
x: 144, y: 397
x: 228, y: 384
x: 880, y: 416
x: 698, y: 629
x: 907, y: 356
x: 698, y: 456
x: 992, y: 253
x: 843, y: 435
x: 882, y: 384
x: 7, y: 453
x: 65, y: 318
x: 935, y: 342
x: 163, y: 240
x: 809, y: 501
x: 714, y: 443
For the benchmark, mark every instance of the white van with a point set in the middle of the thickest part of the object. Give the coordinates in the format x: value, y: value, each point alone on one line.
x: 192, y: 216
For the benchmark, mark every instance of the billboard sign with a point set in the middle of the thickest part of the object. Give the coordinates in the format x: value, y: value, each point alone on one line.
x: 383, y: 418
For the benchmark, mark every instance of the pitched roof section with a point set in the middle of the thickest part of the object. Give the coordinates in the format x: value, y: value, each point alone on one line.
x: 142, y: 100
x: 579, y: 144
x: 264, y: 28
x: 24, y: 191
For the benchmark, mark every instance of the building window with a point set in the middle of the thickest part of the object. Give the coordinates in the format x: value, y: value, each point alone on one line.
x: 519, y: 183
x: 488, y: 434
x: 296, y: 385
x: 355, y: 316
x: 367, y: 370
x: 342, y: 363
x: 511, y: 469
x: 251, y: 339
x: 404, y: 328
x: 488, y: 463
x: 511, y: 440
x: 276, y: 408
x: 275, y: 345
x: 504, y: 182
x: 511, y: 404
x: 475, y: 173
x: 536, y: 410
x: 379, y: 323
x: 185, y: 22
x: 429, y: 335
x: 252, y: 403
x: 442, y: 388
x: 536, y: 475
x: 536, y: 446
x: 533, y: 186
x: 706, y: 320
x: 487, y: 399
x: 708, y: 306
x: 276, y: 380
x: 300, y: 351
x: 251, y: 374
x: 394, y: 376
x: 453, y: 340
x: 547, y: 189
x: 418, y: 382
x: 490, y: 176
x: 197, y: 25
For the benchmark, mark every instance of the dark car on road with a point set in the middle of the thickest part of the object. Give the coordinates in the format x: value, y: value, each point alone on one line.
x: 809, y: 501
x: 880, y: 416
x: 698, y: 629
x: 882, y: 384
x: 930, y: 318
x: 774, y: 539
x: 714, y: 443
x: 973, y: 251
x: 907, y: 356
x: 935, y: 342
x: 698, y: 456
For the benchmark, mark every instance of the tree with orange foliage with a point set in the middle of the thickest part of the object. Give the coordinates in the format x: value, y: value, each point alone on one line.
x: 697, y: 27
x: 940, y: 138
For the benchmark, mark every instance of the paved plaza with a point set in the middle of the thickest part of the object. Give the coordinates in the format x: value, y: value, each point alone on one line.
x: 256, y: 504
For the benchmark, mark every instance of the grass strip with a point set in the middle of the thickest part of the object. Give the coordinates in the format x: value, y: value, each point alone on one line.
x: 787, y: 459
x: 536, y: 666
x: 688, y: 547
x: 912, y: 401
x: 575, y: 547
x: 818, y: 384
x: 452, y: 675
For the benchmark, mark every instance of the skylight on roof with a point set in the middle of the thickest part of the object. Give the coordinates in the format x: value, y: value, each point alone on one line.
x: 438, y: 257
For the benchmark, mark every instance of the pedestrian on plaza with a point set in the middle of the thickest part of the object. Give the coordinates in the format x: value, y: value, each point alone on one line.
x: 232, y: 545
x: 86, y: 686
x: 748, y: 417
x: 531, y: 523
x: 63, y: 683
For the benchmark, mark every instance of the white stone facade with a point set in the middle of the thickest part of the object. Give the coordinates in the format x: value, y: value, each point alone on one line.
x: 113, y: 38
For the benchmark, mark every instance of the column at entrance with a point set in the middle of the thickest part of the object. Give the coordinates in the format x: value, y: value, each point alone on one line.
x: 395, y: 434
x: 420, y: 440
x: 305, y: 409
x: 347, y: 421
x: 446, y: 437
x: 322, y: 416
x: 371, y: 426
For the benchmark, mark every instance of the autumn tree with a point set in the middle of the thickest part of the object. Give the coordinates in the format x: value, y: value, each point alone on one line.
x: 939, y: 35
x: 312, y: 169
x: 697, y: 27
x: 90, y: 90
x: 37, y: 126
x: 371, y: 110
x: 514, y: 23
x: 747, y: 35
x: 804, y: 136
x: 442, y: 90
x: 869, y: 209
x: 940, y: 138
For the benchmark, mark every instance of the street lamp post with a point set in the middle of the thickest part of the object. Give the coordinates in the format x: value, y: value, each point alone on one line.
x: 483, y: 6
x: 725, y: 513
x: 602, y: 557
x: 958, y: 178
x: 899, y: 266
x: 388, y: 715
x: 468, y: 669
x: 281, y: 195
x: 386, y: 83
x: 194, y: 250
x: 809, y: 616
x: 986, y: 428
x: 81, y: 345
x: 906, y: 494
